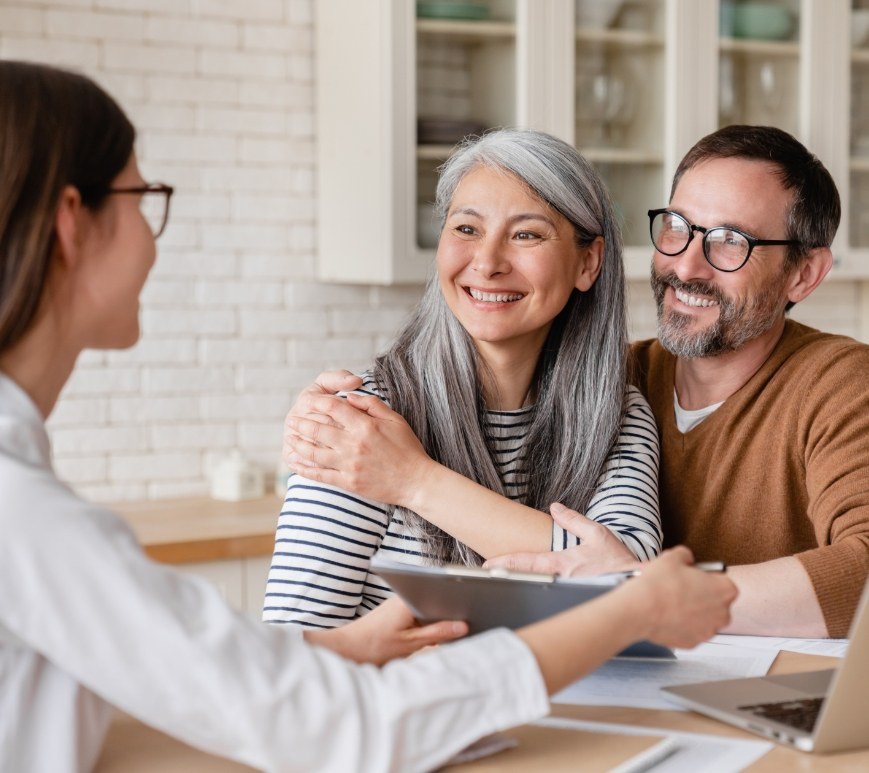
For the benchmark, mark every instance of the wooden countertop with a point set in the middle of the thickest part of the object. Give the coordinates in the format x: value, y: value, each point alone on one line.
x: 180, y: 531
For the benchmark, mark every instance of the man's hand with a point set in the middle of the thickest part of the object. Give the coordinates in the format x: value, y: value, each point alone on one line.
x: 599, y: 550
x: 360, y: 445
x: 386, y: 633
x: 327, y: 383
x: 680, y: 605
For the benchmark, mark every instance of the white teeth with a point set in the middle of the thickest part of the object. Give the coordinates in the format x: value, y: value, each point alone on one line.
x: 693, y: 300
x: 494, y: 297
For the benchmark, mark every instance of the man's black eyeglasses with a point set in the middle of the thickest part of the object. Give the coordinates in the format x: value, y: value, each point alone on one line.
x: 725, y: 248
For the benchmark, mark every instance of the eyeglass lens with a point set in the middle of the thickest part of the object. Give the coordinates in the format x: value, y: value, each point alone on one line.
x: 724, y: 248
x: 154, y: 207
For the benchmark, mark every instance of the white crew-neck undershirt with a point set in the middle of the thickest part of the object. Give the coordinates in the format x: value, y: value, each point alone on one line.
x: 687, y: 420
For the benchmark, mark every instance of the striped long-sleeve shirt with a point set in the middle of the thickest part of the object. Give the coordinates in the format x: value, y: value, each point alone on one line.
x: 326, y: 536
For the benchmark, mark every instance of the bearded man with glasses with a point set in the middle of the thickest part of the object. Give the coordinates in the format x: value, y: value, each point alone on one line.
x: 764, y: 422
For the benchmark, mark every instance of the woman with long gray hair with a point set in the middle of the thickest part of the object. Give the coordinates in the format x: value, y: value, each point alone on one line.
x: 507, y: 390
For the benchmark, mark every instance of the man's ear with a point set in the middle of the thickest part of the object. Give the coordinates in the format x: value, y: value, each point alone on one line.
x: 69, y: 226
x: 809, y: 274
x: 591, y: 260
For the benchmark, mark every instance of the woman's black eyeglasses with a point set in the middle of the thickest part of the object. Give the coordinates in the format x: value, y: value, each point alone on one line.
x: 154, y: 203
x: 725, y: 248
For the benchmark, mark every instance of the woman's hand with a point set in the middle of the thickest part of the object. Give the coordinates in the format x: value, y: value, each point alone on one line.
x: 599, y: 550
x: 681, y: 606
x: 386, y: 633
x: 357, y: 444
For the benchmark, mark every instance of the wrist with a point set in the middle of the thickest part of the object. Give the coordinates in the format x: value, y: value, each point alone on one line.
x: 635, y: 609
x: 338, y: 640
x: 423, y: 486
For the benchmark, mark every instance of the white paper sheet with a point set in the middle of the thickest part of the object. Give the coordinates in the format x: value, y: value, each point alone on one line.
x: 637, y: 683
x: 696, y: 752
x: 832, y: 647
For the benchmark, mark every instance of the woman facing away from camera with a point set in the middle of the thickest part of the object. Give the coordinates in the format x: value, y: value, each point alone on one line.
x: 88, y: 622
x: 508, y: 394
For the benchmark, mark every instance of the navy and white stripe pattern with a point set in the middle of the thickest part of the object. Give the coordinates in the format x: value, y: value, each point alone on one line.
x: 326, y: 537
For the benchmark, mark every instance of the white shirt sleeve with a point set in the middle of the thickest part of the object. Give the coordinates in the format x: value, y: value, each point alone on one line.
x: 164, y: 647
x: 626, y: 498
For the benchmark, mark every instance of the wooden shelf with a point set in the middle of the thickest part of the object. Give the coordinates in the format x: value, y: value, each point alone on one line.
x: 784, y: 48
x: 181, y: 531
x: 860, y: 55
x: 434, y: 152
x: 472, y: 31
x: 859, y: 164
x: 620, y: 156
x: 616, y: 37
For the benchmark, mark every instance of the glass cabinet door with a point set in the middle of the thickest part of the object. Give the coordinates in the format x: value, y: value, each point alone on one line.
x: 759, y: 63
x: 465, y: 84
x: 859, y: 140
x: 619, y: 110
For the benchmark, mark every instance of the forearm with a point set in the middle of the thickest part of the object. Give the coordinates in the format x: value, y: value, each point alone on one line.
x: 487, y: 522
x: 776, y: 598
x: 604, y: 626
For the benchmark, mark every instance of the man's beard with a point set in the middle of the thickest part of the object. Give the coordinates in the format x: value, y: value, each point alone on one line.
x: 738, y: 321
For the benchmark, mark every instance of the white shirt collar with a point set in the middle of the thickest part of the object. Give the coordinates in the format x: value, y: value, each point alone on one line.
x: 22, y: 429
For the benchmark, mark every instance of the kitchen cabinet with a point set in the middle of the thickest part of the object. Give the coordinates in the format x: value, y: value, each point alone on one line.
x: 227, y: 543
x: 632, y: 83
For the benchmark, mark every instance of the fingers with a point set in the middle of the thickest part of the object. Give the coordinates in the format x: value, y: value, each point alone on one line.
x: 681, y: 554
x: 314, y: 431
x: 336, y: 408
x: 572, y: 521
x: 436, y: 633
x: 372, y: 405
x: 332, y: 381
x: 310, y: 454
x: 536, y: 563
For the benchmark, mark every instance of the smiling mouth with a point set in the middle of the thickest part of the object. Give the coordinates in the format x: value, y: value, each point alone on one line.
x: 693, y: 300
x: 479, y: 295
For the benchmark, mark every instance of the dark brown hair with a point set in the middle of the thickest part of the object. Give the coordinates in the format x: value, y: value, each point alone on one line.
x: 813, y: 217
x: 57, y: 128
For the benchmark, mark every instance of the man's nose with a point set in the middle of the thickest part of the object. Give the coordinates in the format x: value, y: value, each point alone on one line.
x: 692, y: 264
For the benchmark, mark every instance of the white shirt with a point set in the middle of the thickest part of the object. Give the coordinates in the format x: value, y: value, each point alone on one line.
x: 687, y: 420
x: 87, y: 622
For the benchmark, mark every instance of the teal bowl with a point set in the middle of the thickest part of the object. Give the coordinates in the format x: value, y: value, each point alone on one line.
x: 763, y: 21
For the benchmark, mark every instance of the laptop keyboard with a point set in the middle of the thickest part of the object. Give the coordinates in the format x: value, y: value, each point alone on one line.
x: 800, y: 714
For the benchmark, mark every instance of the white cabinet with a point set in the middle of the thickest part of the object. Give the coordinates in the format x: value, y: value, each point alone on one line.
x: 241, y: 582
x: 632, y: 83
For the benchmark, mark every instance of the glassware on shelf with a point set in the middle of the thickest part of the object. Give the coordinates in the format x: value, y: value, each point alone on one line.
x: 597, y: 14
x: 729, y: 102
x: 860, y: 112
x: 770, y: 89
x: 756, y: 20
x: 605, y: 106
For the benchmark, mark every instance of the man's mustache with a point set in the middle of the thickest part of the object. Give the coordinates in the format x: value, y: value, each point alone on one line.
x: 669, y: 278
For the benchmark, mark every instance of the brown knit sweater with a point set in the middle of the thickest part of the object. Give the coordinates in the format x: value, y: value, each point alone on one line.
x: 781, y: 468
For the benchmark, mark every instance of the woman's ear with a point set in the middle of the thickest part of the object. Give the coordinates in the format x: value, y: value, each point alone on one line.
x: 590, y: 262
x: 69, y: 227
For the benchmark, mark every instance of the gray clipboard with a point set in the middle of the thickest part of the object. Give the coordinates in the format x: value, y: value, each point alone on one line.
x: 496, y: 598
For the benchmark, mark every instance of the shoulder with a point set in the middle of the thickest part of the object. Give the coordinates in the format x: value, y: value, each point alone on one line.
x: 638, y: 427
x: 823, y: 361
x: 370, y: 386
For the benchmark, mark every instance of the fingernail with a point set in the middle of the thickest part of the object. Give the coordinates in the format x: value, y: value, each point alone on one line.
x: 556, y: 507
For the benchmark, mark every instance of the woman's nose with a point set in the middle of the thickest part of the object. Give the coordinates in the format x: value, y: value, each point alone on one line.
x: 489, y: 258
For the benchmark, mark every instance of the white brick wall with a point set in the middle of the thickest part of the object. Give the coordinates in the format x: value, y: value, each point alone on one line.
x: 234, y: 322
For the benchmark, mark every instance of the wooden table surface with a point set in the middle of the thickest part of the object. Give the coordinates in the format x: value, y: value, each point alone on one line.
x: 131, y: 747
x: 180, y: 531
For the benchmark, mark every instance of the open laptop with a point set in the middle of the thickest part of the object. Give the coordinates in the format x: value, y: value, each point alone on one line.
x: 815, y: 711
